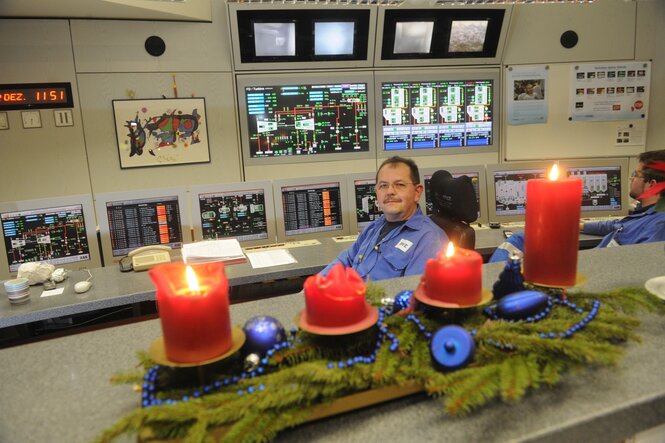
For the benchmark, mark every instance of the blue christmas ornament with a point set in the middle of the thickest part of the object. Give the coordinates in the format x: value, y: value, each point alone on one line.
x: 402, y: 300
x: 510, y: 280
x: 521, y: 305
x: 452, y: 347
x: 262, y: 333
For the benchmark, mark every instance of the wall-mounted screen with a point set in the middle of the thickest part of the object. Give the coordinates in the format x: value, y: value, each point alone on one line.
x: 362, y: 197
x: 57, y: 230
x: 507, y: 189
x: 304, y: 117
x: 413, y: 37
x: 310, y: 207
x: 438, y: 113
x: 467, y: 35
x: 274, y: 39
x: 244, y: 211
x: 334, y: 38
x: 130, y: 220
x: 477, y: 176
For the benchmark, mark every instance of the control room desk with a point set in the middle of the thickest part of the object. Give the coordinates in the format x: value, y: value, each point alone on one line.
x: 58, y: 390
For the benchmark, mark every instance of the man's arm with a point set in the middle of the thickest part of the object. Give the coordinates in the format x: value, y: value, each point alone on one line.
x: 597, y: 228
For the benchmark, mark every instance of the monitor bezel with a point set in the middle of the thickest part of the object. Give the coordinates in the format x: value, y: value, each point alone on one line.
x: 277, y: 186
x: 354, y: 227
x: 473, y: 73
x: 100, y: 204
x: 307, y: 78
x: 195, y: 191
x: 86, y: 202
x: 482, y: 187
x: 623, y: 163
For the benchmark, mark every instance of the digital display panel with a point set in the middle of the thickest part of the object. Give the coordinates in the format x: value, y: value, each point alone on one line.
x: 467, y: 35
x: 36, y: 96
x: 274, y: 39
x: 413, y: 37
x: 601, y: 189
x: 144, y: 222
x: 239, y: 214
x: 56, y: 235
x: 437, y: 114
x: 311, y: 208
x: 334, y: 38
x: 367, y: 207
x: 510, y: 190
x: 475, y: 179
x: 300, y: 120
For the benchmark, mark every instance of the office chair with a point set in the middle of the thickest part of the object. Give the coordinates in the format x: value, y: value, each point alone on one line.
x: 454, y: 206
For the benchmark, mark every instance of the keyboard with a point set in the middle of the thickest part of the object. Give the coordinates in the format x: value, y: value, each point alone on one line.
x: 345, y: 238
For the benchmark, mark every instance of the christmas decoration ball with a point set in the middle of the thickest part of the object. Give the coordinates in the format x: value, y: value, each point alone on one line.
x: 452, y: 348
x: 521, y: 305
x: 262, y: 333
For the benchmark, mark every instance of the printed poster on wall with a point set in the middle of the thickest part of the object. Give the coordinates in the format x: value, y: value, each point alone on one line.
x: 609, y: 91
x: 528, y: 103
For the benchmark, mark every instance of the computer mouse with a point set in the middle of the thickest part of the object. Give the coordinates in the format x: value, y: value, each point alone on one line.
x: 82, y: 286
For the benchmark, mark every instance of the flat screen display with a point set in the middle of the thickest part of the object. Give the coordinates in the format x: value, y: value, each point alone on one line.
x: 413, y: 37
x: 437, y: 114
x: 274, y: 39
x: 143, y: 222
x: 510, y: 190
x: 239, y: 214
x: 367, y: 207
x: 334, y: 38
x: 601, y: 189
x: 56, y: 235
x: 312, y: 208
x: 467, y: 35
x: 307, y: 119
x: 475, y: 179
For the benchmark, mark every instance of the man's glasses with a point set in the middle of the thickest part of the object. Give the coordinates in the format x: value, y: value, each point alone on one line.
x: 636, y: 174
x: 398, y: 186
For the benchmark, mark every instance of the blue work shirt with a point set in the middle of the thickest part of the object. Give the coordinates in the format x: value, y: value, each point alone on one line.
x: 403, y: 251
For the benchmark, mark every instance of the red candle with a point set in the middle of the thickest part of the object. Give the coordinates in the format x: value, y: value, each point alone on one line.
x: 337, y: 299
x: 552, y: 230
x: 454, y: 277
x: 195, y: 316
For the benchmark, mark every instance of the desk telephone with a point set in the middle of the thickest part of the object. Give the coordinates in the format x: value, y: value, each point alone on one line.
x: 147, y: 257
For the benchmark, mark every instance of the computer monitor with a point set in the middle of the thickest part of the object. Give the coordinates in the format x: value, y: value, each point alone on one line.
x: 606, y: 185
x: 311, y: 207
x: 364, y: 207
x: 244, y: 211
x: 430, y: 112
x: 305, y: 117
x: 477, y: 176
x: 506, y: 189
x: 58, y: 230
x: 130, y: 220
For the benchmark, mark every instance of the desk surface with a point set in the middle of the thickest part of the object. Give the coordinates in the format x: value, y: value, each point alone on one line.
x: 58, y: 390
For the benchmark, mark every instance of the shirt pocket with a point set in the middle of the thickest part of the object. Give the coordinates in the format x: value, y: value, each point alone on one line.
x: 398, y: 260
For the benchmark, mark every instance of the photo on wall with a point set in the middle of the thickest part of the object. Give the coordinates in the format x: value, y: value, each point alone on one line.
x: 161, y: 132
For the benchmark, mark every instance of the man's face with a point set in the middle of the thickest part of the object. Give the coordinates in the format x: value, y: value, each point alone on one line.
x: 396, y: 193
x: 637, y: 183
x: 529, y: 89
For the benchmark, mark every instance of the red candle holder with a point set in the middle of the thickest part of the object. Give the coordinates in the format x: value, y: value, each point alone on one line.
x: 195, y: 317
x: 335, y: 304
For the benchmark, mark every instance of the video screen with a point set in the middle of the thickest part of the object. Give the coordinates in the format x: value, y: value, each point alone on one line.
x: 239, y: 214
x: 274, y: 39
x: 334, y: 38
x: 307, y: 119
x: 56, y: 235
x: 467, y: 35
x: 475, y: 179
x: 510, y: 190
x: 367, y: 207
x: 413, y: 37
x: 437, y: 114
x: 144, y: 222
x: 312, y: 208
x: 601, y: 187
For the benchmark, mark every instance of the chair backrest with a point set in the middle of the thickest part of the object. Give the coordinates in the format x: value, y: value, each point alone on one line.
x: 454, y: 206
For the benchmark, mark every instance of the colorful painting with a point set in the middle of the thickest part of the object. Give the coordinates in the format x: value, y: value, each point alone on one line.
x: 160, y: 132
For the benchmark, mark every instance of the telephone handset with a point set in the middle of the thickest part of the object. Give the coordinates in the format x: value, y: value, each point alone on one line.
x: 146, y: 257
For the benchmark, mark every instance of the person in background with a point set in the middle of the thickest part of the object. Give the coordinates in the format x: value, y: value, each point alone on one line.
x: 644, y: 225
x: 400, y: 241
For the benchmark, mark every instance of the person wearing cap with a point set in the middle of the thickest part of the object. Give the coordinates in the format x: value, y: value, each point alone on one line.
x: 645, y: 225
x: 400, y: 241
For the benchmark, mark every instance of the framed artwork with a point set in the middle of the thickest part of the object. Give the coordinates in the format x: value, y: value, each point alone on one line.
x: 161, y: 132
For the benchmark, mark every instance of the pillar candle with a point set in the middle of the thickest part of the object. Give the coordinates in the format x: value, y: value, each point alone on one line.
x: 195, y: 316
x: 552, y: 230
x: 454, y: 277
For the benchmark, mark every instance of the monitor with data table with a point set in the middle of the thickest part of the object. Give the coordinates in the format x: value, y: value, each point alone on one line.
x: 506, y: 189
x: 362, y: 198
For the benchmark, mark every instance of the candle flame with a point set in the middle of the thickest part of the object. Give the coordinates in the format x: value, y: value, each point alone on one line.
x: 554, y: 172
x: 450, y: 250
x: 192, y: 281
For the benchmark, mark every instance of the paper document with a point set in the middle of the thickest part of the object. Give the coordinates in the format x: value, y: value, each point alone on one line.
x: 273, y: 257
x: 227, y: 250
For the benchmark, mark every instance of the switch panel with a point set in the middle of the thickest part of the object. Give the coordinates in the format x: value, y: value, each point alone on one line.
x: 63, y: 117
x: 31, y: 119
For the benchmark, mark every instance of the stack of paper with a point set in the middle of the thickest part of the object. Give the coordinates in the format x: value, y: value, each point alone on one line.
x: 227, y: 250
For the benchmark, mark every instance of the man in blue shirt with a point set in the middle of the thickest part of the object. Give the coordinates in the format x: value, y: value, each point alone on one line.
x: 644, y: 225
x: 400, y: 242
